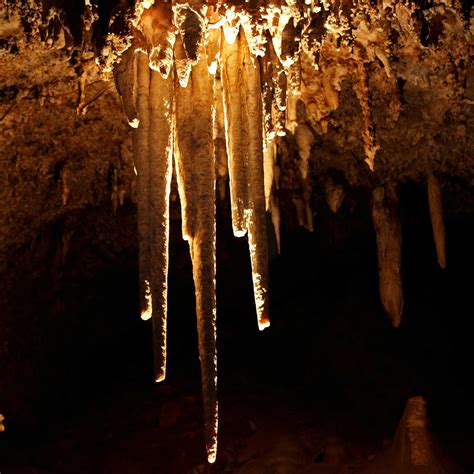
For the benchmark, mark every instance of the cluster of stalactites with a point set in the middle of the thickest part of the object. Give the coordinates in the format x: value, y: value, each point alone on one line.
x: 185, y: 115
x: 209, y: 90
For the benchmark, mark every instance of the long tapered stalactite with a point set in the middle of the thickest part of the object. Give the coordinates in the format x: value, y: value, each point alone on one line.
x: 161, y: 153
x: 125, y: 81
x: 437, y: 221
x: 195, y: 164
x: 388, y: 234
x: 257, y: 227
x: 236, y: 132
x: 142, y: 164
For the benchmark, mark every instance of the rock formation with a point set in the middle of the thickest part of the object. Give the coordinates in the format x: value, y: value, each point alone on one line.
x: 273, y: 96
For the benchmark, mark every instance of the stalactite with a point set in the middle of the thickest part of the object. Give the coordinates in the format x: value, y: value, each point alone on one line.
x: 300, y: 211
x: 161, y: 152
x: 257, y: 227
x: 291, y: 111
x: 220, y: 150
x: 268, y: 164
x: 274, y: 84
x: 125, y: 81
x: 334, y: 195
x: 389, y: 249
x: 361, y: 88
x: 65, y: 191
x: 304, y: 140
x: 279, y: 80
x: 194, y: 155
x: 294, y: 78
x: 437, y: 221
x: 236, y: 133
x: 275, y: 210
x: 267, y: 95
x: 141, y: 158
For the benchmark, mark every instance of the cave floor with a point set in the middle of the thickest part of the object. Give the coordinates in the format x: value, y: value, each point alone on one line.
x: 158, y: 429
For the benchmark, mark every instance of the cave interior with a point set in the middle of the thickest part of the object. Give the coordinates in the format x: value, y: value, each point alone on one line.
x: 283, y: 191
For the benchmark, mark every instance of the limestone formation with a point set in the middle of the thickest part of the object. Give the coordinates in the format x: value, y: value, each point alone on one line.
x: 270, y: 97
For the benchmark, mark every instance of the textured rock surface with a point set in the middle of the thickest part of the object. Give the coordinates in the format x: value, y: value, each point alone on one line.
x: 53, y: 160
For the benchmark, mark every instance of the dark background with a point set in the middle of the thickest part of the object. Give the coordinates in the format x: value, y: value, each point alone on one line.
x: 79, y: 393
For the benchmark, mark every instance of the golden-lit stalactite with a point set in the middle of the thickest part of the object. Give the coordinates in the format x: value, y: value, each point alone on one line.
x: 437, y: 221
x: 268, y: 163
x: 268, y: 90
x: 185, y: 148
x: 388, y: 234
x: 195, y: 164
x: 161, y: 155
x: 236, y: 132
x: 141, y: 139
x: 257, y: 226
x: 274, y: 91
x: 220, y: 150
x: 276, y: 220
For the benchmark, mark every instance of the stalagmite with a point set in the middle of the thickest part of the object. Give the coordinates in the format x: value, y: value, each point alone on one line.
x: 236, y: 133
x: 257, y: 227
x: 437, y: 221
x: 161, y: 149
x: 415, y: 448
x: 141, y: 157
x: 389, y: 249
x: 195, y: 164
